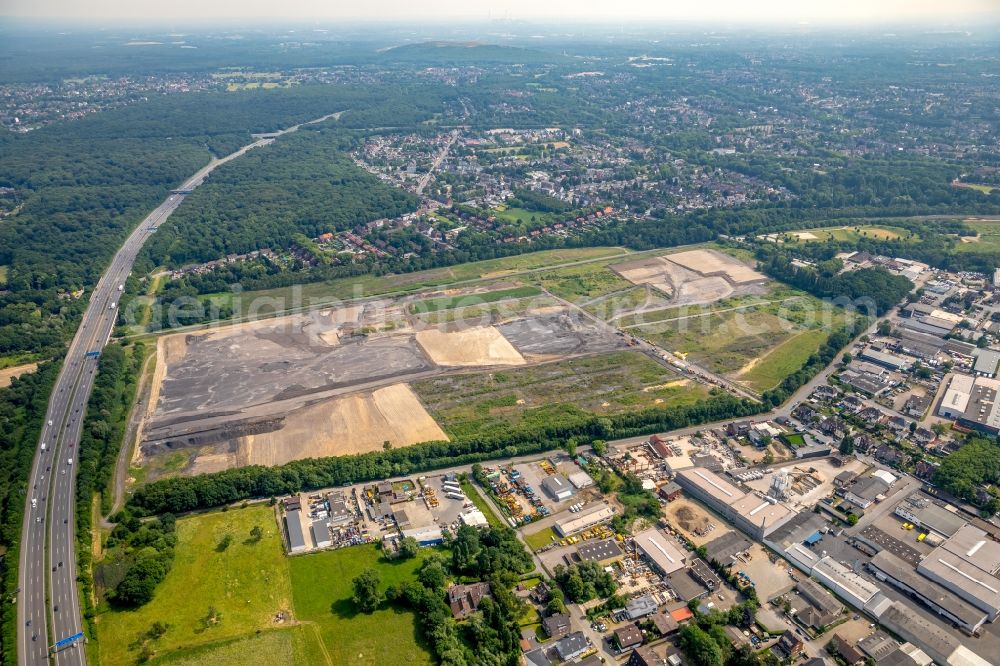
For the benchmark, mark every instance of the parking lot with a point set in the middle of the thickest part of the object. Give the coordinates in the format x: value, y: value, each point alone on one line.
x: 769, y: 573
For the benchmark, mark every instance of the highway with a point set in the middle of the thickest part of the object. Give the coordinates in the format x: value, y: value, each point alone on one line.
x: 48, y: 598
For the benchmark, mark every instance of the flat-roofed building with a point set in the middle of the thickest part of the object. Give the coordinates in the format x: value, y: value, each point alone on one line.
x: 927, y: 514
x: 588, y: 517
x: 865, y: 490
x: 956, y: 398
x: 967, y: 563
x: 293, y: 528
x: 656, y: 547
x: 710, y: 488
x: 887, y: 567
x: 985, y: 363
x: 602, y: 551
x: 942, y: 646
x: 890, y: 361
x: 758, y: 516
x: 848, y: 585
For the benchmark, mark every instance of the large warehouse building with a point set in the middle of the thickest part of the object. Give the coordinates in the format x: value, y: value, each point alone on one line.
x: 973, y: 402
x: 588, y: 517
x: 757, y: 516
x: 889, y: 568
x: 655, y: 546
x: 968, y: 564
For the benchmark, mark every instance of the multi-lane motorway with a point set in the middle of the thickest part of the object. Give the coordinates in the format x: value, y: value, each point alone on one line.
x: 48, y: 598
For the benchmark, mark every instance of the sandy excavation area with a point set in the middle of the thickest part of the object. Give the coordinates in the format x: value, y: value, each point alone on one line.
x: 482, y: 345
x: 8, y: 375
x: 692, y: 277
x: 346, y: 425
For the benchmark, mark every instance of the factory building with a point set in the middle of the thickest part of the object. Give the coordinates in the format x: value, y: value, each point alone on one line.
x: 967, y: 563
x: 293, y: 528
x: 888, y: 568
x: 755, y: 515
x: 557, y: 487
x: 930, y: 516
x: 848, y: 585
x: 588, y: 517
x: 655, y: 546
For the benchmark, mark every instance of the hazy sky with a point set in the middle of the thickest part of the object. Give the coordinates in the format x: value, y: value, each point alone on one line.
x: 784, y: 11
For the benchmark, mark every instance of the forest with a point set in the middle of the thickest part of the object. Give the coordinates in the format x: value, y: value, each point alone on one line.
x: 22, y: 414
x: 303, y: 183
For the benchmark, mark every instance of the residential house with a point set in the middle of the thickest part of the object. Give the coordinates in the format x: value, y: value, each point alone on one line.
x: 628, y: 637
x: 789, y: 644
x: 645, y: 656
x: 572, y: 646
x: 847, y: 651
x: 464, y: 599
x: 556, y: 625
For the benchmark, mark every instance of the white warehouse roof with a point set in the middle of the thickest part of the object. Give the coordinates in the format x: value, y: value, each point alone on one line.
x: 654, y: 544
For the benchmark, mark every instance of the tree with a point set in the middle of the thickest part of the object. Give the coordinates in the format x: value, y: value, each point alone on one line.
x: 256, y: 534
x: 225, y: 543
x: 700, y: 646
x: 571, y: 447
x: 599, y: 446
x: 408, y: 548
x: 884, y: 327
x: 847, y: 358
x: 366, y: 592
x: 847, y: 445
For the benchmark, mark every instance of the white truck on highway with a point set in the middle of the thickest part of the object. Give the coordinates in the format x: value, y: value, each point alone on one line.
x: 69, y: 462
x: 43, y: 446
x: 121, y: 287
x: 34, y: 503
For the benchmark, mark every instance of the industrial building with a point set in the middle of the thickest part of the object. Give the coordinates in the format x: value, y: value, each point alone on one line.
x: 929, y: 515
x: 655, y: 547
x: 942, y: 646
x: 587, y: 517
x: 425, y: 536
x: 640, y: 607
x: 985, y: 363
x: 320, y: 534
x: 815, y: 607
x: 758, y: 515
x: 755, y: 515
x: 866, y: 490
x: 847, y: 584
x: 972, y: 402
x: 293, y: 528
x: 967, y: 563
x: 557, y: 487
x: 602, y: 551
x: 890, y: 361
x: 888, y: 568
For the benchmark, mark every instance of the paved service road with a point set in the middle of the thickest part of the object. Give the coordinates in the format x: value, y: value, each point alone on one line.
x: 48, y: 599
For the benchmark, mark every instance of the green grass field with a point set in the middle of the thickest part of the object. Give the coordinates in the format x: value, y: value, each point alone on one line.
x: 322, y: 591
x: 579, y: 283
x: 469, y: 404
x: 756, y: 339
x: 783, y: 360
x: 988, y: 237
x: 247, y: 583
x: 3, y: 274
x: 512, y: 215
x: 538, y: 540
x: 465, y: 300
x: 847, y: 233
x: 373, y: 285
x: 978, y: 187
x: 292, y: 645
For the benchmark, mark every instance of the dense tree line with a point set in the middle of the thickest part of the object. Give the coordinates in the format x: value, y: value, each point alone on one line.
x: 964, y: 472
x: 138, y: 557
x: 874, y: 290
x: 22, y: 413
x: 102, y: 436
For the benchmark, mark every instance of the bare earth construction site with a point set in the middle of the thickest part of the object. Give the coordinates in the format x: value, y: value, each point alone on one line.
x: 331, y: 382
